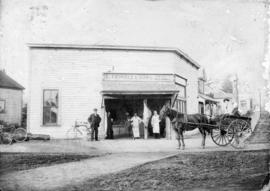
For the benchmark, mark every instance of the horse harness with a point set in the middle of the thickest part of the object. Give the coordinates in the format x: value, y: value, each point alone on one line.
x: 185, y: 122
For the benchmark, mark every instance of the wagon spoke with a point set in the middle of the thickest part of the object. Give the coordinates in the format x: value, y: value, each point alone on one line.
x: 219, y: 139
x: 225, y: 139
x: 222, y: 139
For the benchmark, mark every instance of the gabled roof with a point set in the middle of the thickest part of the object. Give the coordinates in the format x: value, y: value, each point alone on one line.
x: 176, y: 51
x: 217, y: 93
x: 8, y: 82
x: 207, y: 97
x: 222, y: 95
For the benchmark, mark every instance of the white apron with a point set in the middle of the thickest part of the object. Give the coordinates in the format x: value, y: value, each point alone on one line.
x: 135, y: 126
x: 155, y: 123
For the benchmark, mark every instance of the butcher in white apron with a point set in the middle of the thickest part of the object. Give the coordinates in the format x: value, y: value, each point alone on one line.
x: 135, y: 122
x: 155, y: 124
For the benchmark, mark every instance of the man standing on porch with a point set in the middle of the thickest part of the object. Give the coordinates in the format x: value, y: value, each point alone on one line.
x: 94, y: 121
x: 135, y: 122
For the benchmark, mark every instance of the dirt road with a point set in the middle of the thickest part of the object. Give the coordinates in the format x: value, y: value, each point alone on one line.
x: 218, y: 170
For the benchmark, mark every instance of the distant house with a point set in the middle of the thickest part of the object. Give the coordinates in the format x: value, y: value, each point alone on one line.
x: 10, y: 99
x: 225, y: 101
x: 212, y: 100
x: 245, y: 103
x: 207, y: 103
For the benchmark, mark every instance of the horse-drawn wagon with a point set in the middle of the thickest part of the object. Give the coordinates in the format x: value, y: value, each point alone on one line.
x: 224, y: 129
x: 233, y: 130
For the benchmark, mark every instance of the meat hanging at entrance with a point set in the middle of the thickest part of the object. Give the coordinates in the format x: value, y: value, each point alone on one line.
x: 123, y: 108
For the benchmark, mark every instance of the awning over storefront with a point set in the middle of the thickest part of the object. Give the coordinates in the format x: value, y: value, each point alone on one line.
x: 114, y: 83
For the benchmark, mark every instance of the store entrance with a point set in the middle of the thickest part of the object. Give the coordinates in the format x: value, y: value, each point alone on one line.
x: 123, y: 107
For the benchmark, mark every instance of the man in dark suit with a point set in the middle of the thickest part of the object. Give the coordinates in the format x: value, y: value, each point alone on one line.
x: 94, y: 120
x: 109, y: 126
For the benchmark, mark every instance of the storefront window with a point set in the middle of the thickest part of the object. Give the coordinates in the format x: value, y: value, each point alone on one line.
x: 180, y: 106
x: 50, y: 107
x: 180, y: 103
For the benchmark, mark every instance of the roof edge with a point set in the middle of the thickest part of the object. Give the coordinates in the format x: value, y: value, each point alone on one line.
x: 12, y: 84
x: 12, y: 88
x: 119, y: 48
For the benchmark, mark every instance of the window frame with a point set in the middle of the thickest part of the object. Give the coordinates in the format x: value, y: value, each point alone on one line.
x: 185, y: 93
x: 57, y: 123
x: 181, y: 101
x: 4, y: 110
x: 181, y: 105
x: 201, y: 85
x: 201, y: 107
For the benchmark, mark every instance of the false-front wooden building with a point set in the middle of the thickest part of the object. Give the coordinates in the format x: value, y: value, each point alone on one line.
x: 68, y: 81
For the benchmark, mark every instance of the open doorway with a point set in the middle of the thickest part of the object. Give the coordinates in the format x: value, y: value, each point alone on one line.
x: 123, y: 106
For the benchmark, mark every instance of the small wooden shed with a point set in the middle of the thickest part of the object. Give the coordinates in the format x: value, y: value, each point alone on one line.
x: 11, y: 99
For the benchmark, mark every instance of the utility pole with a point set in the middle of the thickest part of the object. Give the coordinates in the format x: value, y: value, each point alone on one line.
x: 235, y: 89
x: 260, y: 100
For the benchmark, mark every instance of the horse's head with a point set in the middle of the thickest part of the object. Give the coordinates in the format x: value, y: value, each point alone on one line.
x: 167, y: 111
x: 163, y: 112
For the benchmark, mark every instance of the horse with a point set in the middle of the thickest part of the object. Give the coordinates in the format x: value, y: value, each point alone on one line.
x: 178, y: 122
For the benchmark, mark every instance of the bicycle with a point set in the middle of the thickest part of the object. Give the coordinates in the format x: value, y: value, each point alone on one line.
x: 79, y: 130
x: 14, y: 134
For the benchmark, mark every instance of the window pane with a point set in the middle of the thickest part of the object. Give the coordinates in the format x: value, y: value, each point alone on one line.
x: 182, y: 107
x: 182, y: 92
x: 2, y: 106
x: 54, y: 115
x: 201, y: 86
x: 46, y: 115
x: 50, y: 107
x: 54, y: 98
x: 46, y: 98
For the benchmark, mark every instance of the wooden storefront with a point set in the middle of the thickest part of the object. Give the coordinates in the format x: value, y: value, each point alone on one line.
x: 127, y: 93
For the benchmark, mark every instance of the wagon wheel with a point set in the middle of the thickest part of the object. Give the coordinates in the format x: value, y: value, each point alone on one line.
x: 222, y: 135
x: 242, y: 130
x: 19, y: 135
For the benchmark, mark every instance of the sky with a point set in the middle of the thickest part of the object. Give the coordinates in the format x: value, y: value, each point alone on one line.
x: 224, y: 37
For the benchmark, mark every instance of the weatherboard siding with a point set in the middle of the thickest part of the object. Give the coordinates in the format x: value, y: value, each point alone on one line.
x: 77, y: 74
x: 13, y: 105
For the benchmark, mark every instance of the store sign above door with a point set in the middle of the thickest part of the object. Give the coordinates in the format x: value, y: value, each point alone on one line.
x: 127, y: 77
x: 138, y: 77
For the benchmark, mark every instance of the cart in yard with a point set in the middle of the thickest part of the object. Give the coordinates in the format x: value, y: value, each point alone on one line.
x: 11, y: 134
x: 228, y: 130
x: 233, y: 130
x: 225, y: 129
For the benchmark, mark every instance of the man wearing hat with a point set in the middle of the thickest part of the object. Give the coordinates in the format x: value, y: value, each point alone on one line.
x: 94, y: 121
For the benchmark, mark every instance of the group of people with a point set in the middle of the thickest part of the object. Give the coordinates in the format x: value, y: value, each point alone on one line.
x: 132, y: 124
